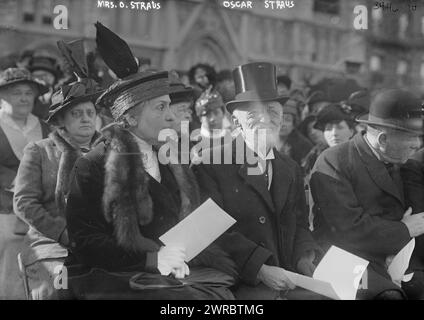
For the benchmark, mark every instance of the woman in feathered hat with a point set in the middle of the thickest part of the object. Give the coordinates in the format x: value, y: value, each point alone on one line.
x: 43, y: 176
x: 122, y: 199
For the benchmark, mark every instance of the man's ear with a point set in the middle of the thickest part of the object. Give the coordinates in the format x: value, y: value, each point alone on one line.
x: 235, y: 122
x: 382, y: 140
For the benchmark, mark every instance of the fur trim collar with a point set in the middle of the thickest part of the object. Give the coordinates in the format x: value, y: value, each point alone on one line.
x: 126, y: 200
x: 70, y: 152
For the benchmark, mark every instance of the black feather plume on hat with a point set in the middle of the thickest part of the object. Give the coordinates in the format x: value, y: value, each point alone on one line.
x: 115, y: 52
x: 74, y: 54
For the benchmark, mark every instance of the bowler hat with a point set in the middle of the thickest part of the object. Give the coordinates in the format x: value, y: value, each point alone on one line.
x: 71, y: 94
x: 20, y: 75
x: 255, y: 82
x: 397, y: 109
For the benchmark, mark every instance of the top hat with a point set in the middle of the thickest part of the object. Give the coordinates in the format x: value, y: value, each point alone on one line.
x: 20, y: 75
x: 71, y: 94
x: 396, y: 109
x: 255, y: 82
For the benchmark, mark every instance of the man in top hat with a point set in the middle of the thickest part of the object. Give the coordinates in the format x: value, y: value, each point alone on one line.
x: 357, y: 190
x: 263, y: 191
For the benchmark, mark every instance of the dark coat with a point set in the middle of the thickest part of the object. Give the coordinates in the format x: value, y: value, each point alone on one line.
x: 297, y: 146
x: 413, y: 179
x: 116, y: 211
x: 272, y: 225
x: 358, y: 207
x: 9, y: 164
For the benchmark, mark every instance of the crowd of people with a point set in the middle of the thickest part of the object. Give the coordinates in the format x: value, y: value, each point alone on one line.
x: 82, y: 186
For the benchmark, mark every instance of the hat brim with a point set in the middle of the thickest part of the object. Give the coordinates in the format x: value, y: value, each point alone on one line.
x: 364, y: 119
x: 70, y: 103
x: 42, y: 89
x: 231, y: 105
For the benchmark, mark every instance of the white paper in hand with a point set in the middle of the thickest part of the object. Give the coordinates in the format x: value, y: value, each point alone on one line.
x: 343, y: 270
x: 337, y: 276
x: 199, y: 229
x: 400, y: 263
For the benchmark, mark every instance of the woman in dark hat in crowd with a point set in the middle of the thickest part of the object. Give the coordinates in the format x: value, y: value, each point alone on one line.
x: 337, y: 125
x: 18, y: 127
x: 43, y: 178
x: 122, y: 198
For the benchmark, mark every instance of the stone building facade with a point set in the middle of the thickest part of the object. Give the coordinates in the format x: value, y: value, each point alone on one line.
x: 311, y: 40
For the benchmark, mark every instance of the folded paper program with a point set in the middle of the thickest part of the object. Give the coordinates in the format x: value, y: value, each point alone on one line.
x: 199, y: 229
x: 337, y: 276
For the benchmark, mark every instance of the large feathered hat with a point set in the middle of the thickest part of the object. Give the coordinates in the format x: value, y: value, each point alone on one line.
x: 84, y: 89
x: 132, y: 87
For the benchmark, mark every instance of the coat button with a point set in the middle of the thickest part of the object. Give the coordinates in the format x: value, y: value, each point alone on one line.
x: 262, y: 220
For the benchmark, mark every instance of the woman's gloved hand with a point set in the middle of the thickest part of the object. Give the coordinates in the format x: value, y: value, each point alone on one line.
x: 170, y: 258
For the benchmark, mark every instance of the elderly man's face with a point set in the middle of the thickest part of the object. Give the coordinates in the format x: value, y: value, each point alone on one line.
x: 18, y: 100
x: 155, y: 115
x: 259, y: 121
x: 401, y: 145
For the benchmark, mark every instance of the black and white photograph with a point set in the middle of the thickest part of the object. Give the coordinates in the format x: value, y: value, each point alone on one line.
x: 232, y: 152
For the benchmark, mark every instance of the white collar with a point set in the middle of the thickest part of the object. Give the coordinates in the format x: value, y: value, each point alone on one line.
x: 31, y: 123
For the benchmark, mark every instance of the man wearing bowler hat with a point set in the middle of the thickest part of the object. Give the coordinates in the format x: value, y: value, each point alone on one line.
x: 265, y: 196
x: 358, y: 195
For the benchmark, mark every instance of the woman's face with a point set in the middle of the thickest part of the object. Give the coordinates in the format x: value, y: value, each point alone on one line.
x: 201, y: 78
x: 337, y: 132
x: 154, y: 116
x: 315, y: 135
x: 19, y: 100
x: 80, y: 121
